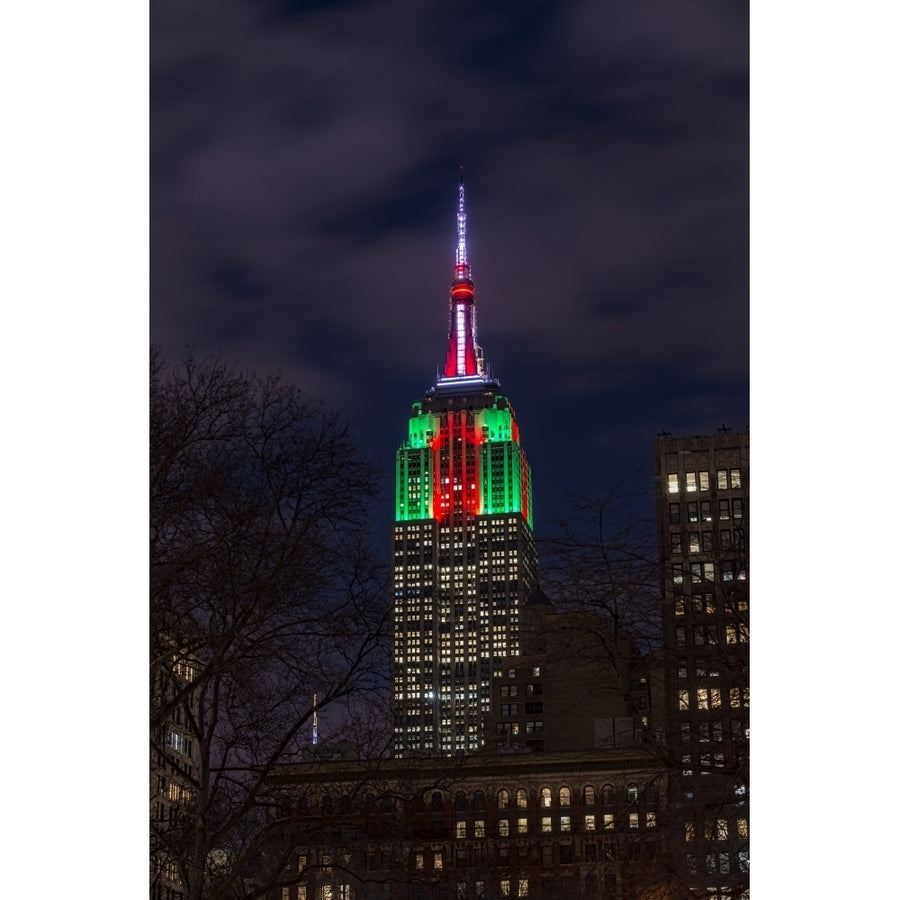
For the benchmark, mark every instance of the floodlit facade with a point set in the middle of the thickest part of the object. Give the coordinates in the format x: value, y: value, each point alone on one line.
x: 463, y: 551
x: 703, y: 509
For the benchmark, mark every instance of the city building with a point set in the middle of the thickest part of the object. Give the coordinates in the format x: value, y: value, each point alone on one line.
x: 574, y: 686
x: 173, y: 766
x: 463, y: 550
x: 482, y: 826
x: 702, y: 491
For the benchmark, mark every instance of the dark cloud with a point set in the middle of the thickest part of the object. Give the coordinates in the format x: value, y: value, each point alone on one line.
x: 303, y: 161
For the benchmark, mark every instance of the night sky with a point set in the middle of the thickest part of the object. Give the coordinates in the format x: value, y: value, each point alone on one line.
x: 304, y: 160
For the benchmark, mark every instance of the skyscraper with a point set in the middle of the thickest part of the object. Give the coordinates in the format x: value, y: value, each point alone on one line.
x: 703, y: 510
x: 464, y: 558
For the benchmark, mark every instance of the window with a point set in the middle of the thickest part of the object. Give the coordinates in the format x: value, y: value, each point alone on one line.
x: 684, y: 699
x: 694, y: 542
x: 565, y: 796
x: 522, y: 798
x: 546, y: 825
x: 676, y: 544
x: 588, y: 795
x: 565, y: 823
x: 438, y: 859
x: 565, y: 853
x: 724, y: 510
x: 608, y: 821
x: 696, y: 573
x: 590, y: 822
x: 590, y: 851
x: 722, y: 479
x: 693, y: 512
x: 522, y: 825
x: 633, y: 820
x: 522, y: 890
x: 509, y: 690
x: 545, y: 797
x: 673, y: 484
x: 679, y: 636
x: 534, y: 690
x: 677, y: 574
x: 674, y: 513
x: 651, y: 820
x: 690, y: 482
x: 502, y: 799
x: 706, y: 544
x: 735, y: 478
x: 461, y: 829
x: 509, y: 709
x: 534, y: 708
x: 704, y: 481
x: 737, y: 508
x: 632, y: 793
x: 479, y: 828
x: 706, y: 510
x: 504, y: 827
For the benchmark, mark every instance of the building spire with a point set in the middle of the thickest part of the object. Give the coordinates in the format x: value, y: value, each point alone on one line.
x: 463, y: 270
x: 464, y: 357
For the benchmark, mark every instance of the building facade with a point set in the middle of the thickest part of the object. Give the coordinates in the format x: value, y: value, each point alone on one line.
x: 463, y: 550
x: 173, y: 766
x: 483, y: 826
x: 703, y: 509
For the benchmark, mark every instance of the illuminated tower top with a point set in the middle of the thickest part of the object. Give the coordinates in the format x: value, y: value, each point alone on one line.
x: 465, y: 362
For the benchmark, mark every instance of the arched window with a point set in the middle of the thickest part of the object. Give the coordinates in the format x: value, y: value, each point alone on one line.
x: 460, y: 802
x: 502, y: 799
x: 479, y: 801
x: 632, y: 793
x: 650, y: 796
x: 437, y: 801
x: 522, y: 798
x: 609, y: 796
x: 545, y: 798
x: 588, y: 795
x: 565, y: 797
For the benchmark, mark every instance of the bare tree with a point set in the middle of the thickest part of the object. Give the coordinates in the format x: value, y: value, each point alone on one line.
x: 263, y: 594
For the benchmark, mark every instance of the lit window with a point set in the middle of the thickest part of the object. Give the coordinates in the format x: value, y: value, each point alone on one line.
x: 438, y: 859
x: 590, y: 822
x: 651, y: 820
x: 684, y: 701
x: 564, y: 796
x: 735, y: 478
x: 504, y: 887
x: 589, y: 796
x: 522, y: 825
x: 608, y: 821
x: 673, y: 484
x: 502, y: 799
x: 677, y: 574
x: 545, y: 797
x: 632, y: 793
x: 504, y: 827
x: 546, y: 825
x: 522, y: 798
x: 693, y: 512
x: 724, y: 510
x: 460, y: 829
x: 691, y: 481
x: 737, y: 508
x: 689, y: 831
x: 722, y: 479
x: 704, y: 481
x: 565, y: 823
x: 694, y: 542
x: 523, y: 887
x: 633, y: 820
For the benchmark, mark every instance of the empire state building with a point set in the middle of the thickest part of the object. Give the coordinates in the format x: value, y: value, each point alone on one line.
x: 463, y: 551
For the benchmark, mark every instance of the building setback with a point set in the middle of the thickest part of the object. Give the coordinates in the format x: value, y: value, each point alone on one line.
x: 702, y: 491
x: 463, y: 550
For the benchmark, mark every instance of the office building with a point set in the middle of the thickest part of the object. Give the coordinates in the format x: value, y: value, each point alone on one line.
x: 463, y: 551
x: 702, y: 490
